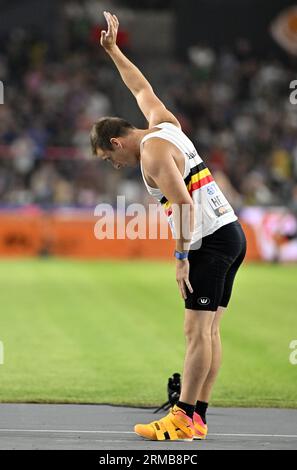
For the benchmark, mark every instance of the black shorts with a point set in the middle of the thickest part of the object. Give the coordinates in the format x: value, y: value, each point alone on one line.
x: 213, y: 267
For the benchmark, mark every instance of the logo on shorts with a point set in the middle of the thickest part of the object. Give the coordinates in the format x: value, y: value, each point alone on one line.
x: 203, y: 300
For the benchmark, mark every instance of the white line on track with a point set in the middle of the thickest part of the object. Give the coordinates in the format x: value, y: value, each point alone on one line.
x: 70, y: 431
x: 293, y: 436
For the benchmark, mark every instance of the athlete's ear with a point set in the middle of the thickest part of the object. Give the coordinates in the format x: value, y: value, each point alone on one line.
x: 116, y: 143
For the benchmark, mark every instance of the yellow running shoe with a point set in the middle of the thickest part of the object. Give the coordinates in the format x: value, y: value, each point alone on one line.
x: 200, y: 427
x: 176, y: 426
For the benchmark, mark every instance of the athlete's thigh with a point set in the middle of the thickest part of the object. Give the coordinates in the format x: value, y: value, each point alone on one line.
x: 207, y: 278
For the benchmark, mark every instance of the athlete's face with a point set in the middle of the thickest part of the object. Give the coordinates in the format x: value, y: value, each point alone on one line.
x: 119, y: 156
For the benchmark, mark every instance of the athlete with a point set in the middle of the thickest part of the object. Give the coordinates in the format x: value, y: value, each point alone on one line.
x: 210, y: 243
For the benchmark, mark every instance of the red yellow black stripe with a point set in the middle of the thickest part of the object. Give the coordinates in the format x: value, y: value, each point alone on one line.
x: 198, y: 177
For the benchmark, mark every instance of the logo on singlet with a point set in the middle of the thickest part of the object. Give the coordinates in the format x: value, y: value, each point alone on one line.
x: 191, y: 154
x: 203, y: 300
x: 211, y: 189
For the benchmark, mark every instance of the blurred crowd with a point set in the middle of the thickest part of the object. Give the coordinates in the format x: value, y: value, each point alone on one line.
x: 235, y: 107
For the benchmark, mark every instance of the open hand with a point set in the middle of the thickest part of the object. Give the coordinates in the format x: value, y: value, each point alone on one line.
x: 108, y: 38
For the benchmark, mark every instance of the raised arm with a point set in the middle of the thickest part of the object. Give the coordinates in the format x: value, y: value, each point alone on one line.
x: 150, y: 105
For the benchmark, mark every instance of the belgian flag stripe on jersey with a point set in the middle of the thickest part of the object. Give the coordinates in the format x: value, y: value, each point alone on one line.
x: 195, y: 171
x: 198, y: 177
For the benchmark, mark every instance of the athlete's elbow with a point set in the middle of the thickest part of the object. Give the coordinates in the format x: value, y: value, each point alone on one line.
x: 141, y: 89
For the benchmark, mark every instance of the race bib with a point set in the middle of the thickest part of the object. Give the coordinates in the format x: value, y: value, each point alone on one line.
x: 217, y: 200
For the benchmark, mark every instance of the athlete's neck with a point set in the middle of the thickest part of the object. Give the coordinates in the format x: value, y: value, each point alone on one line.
x: 136, y: 137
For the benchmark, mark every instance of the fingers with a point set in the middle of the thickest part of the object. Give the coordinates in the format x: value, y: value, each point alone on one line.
x: 108, y: 38
x: 108, y: 24
x: 116, y: 20
x: 189, y: 286
x: 182, y: 287
x: 112, y: 21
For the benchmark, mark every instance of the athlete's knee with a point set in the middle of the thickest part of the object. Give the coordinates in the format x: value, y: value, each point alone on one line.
x: 198, y: 338
x: 197, y: 335
x: 197, y: 326
x: 215, y: 328
x: 215, y: 333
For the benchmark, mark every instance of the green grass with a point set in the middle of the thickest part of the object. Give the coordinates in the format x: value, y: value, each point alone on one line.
x: 109, y: 332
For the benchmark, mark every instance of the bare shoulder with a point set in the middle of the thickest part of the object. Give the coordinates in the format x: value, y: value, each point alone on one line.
x: 156, y: 152
x: 153, y: 147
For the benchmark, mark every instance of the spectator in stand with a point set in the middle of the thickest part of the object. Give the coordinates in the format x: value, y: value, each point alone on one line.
x: 233, y: 105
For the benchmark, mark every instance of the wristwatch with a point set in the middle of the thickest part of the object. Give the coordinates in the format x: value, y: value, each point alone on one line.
x: 181, y: 254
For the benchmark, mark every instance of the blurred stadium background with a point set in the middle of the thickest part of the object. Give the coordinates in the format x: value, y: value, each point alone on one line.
x: 87, y: 320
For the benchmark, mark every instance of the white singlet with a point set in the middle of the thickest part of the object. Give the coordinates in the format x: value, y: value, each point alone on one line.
x: 211, y: 208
